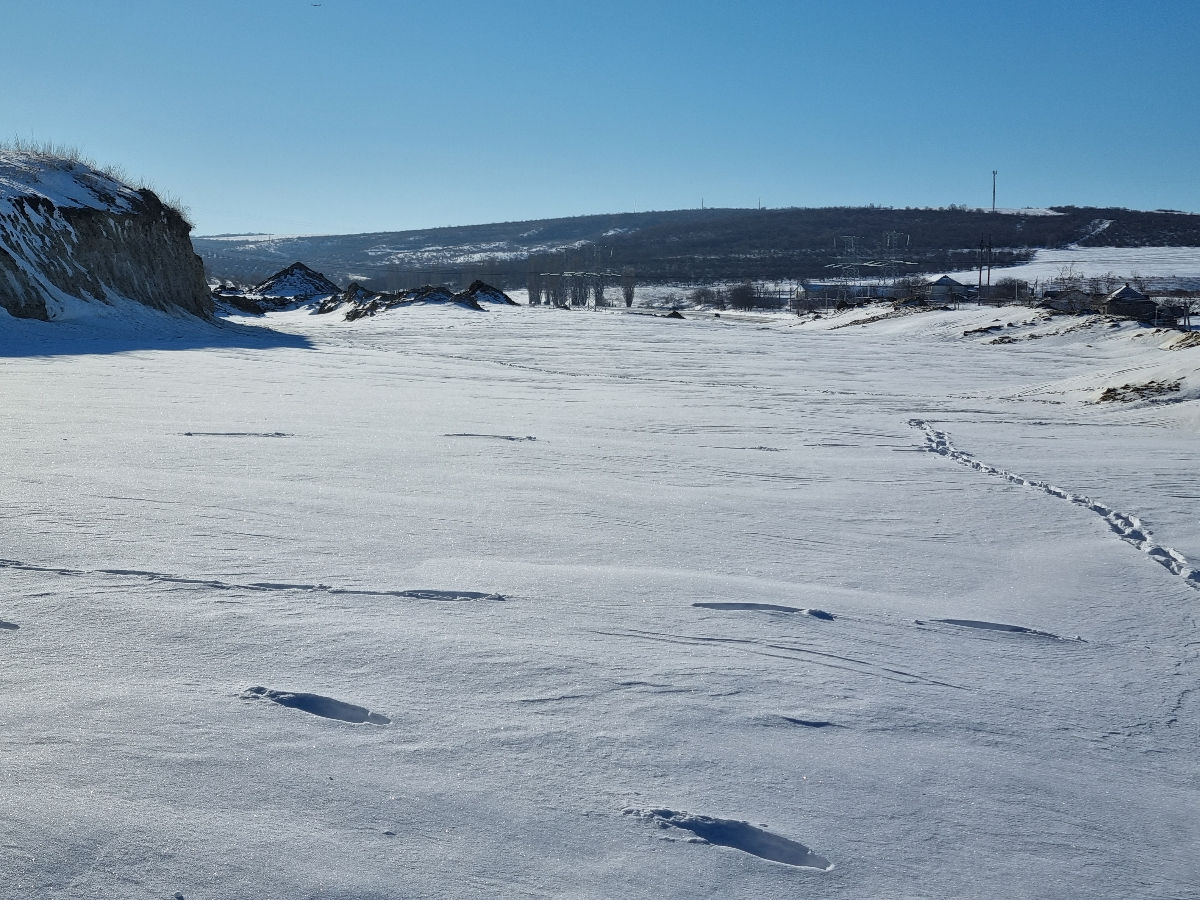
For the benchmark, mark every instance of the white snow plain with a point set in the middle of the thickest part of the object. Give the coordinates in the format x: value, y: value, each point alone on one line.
x: 1162, y: 267
x: 566, y: 604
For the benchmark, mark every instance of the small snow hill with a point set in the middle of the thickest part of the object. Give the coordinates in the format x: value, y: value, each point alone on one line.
x: 297, y: 281
x: 295, y: 285
x: 74, y: 239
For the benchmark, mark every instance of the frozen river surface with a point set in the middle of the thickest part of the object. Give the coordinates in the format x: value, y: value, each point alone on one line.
x: 537, y: 603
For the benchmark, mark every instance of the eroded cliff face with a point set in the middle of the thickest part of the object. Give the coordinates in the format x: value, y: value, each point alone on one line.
x: 69, y: 233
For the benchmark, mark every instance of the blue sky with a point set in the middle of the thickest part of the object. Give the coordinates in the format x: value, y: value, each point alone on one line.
x: 283, y: 116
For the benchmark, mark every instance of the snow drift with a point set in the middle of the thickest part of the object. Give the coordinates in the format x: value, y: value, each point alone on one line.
x: 70, y: 233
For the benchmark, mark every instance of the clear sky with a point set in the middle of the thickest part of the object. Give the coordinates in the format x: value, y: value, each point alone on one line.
x: 289, y: 116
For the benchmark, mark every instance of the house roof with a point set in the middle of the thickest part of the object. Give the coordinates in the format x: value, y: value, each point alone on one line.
x: 1127, y: 293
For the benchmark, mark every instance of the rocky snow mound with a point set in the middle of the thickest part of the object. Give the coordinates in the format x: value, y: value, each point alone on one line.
x: 297, y: 282
x: 297, y: 285
x: 366, y: 303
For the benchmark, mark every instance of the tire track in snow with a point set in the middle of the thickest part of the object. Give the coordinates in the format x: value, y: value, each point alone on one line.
x: 1127, y: 527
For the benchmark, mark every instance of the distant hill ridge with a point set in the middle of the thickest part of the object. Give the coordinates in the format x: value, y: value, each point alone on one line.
x: 698, y: 244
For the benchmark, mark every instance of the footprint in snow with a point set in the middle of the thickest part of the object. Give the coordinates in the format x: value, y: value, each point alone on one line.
x: 318, y: 705
x: 738, y: 835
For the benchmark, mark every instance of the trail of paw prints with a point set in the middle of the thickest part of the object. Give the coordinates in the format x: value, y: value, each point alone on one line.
x: 1126, y: 526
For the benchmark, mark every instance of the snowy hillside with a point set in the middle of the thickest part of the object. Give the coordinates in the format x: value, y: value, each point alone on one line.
x: 1162, y: 267
x: 566, y: 604
x: 699, y: 245
x: 71, y: 236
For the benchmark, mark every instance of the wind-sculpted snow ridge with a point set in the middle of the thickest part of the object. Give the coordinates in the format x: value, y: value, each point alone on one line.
x: 265, y: 434
x: 516, y: 438
x: 319, y: 705
x: 788, y: 651
x: 1126, y: 526
x: 442, y: 596
x: 1000, y: 626
x: 769, y: 607
x: 736, y: 834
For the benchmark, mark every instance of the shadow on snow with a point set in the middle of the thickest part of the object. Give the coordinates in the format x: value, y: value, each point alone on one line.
x: 156, y: 331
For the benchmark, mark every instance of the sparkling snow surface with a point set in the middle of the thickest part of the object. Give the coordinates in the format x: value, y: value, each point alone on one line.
x: 542, y: 603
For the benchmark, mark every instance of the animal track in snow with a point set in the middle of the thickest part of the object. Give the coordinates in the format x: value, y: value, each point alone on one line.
x: 417, y: 594
x: 738, y: 835
x: 769, y: 607
x: 1126, y: 526
x: 318, y: 705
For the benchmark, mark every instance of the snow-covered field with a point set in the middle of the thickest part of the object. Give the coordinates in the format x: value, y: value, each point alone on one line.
x: 878, y: 611
x: 1162, y: 267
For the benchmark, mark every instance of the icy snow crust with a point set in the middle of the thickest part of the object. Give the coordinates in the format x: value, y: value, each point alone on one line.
x: 546, y: 603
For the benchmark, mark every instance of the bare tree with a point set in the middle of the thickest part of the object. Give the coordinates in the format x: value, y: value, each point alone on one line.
x: 1015, y: 289
x: 579, y: 289
x: 598, y: 291
x: 1070, y: 278
x: 628, y: 283
x: 533, y: 284
x: 742, y: 296
x: 556, y: 290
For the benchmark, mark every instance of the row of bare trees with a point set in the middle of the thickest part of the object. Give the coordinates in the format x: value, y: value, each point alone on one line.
x: 577, y: 288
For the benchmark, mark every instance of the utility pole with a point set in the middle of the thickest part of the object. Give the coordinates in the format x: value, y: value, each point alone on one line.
x: 993, y: 190
x: 989, y: 265
x: 979, y: 288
